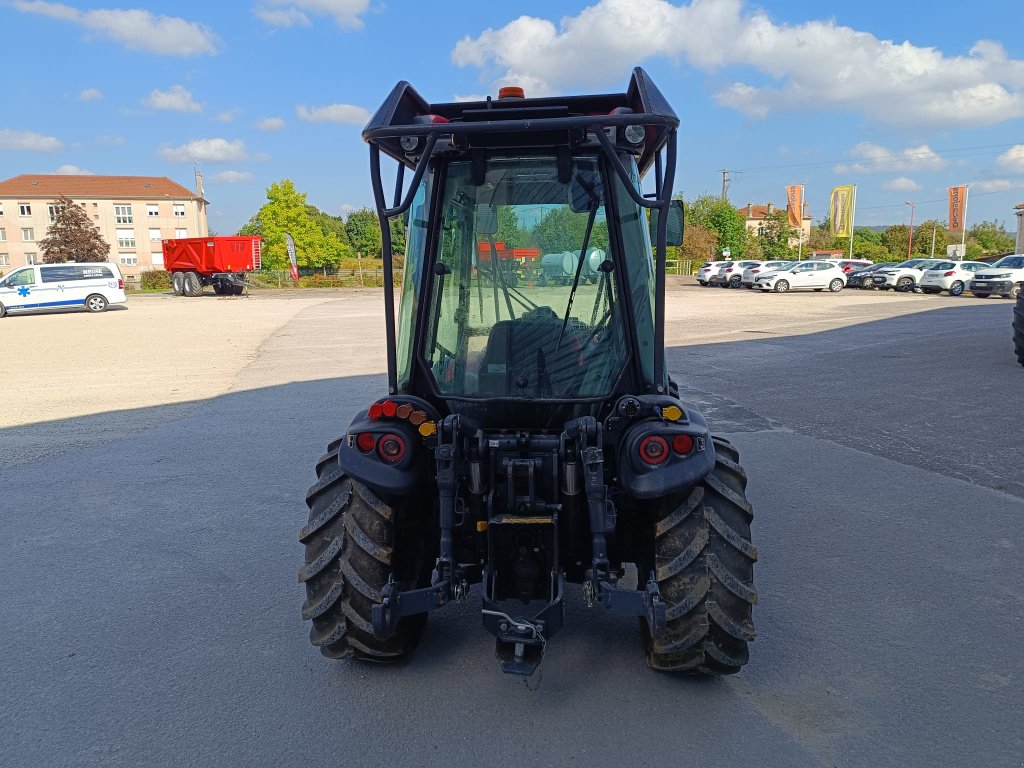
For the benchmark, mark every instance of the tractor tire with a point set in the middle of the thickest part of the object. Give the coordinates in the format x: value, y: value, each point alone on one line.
x: 704, y: 565
x: 1018, y: 329
x: 192, y: 285
x: 352, y: 543
x: 178, y: 283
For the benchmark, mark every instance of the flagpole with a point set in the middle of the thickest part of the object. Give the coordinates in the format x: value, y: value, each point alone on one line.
x: 853, y: 215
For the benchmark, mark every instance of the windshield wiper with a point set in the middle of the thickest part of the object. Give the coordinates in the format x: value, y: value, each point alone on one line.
x: 579, y: 270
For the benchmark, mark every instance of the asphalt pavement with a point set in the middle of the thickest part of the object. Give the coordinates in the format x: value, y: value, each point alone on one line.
x: 150, y: 605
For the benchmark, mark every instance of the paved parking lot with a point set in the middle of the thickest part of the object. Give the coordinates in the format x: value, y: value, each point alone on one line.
x: 149, y: 548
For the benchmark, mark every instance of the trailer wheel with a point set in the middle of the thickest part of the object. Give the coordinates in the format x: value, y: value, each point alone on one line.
x: 192, y: 284
x: 178, y: 283
x: 704, y: 565
x: 218, y: 288
x: 237, y: 290
x: 355, y: 542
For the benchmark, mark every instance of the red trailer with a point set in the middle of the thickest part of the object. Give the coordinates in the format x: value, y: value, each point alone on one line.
x: 222, y: 262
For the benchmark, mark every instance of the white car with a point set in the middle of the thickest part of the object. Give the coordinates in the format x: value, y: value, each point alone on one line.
x: 747, y: 280
x: 1005, y: 277
x: 709, y: 271
x: 904, y: 276
x: 730, y: 274
x: 803, y: 276
x: 90, y: 285
x: 952, y: 276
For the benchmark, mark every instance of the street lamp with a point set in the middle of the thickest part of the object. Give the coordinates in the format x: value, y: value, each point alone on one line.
x: 910, y: 245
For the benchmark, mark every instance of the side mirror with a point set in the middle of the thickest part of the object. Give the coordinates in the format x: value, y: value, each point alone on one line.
x: 674, y: 225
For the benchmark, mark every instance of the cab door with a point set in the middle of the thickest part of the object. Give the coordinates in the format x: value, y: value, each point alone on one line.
x: 16, y: 289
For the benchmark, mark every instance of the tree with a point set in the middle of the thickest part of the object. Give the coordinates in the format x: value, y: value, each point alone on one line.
x: 364, y: 232
x: 509, y: 232
x: 71, y: 236
x: 923, y: 238
x: 774, y: 236
x: 562, y: 229
x: 991, y: 237
x: 699, y: 242
x: 717, y: 215
x: 287, y: 211
x: 896, y: 240
x: 821, y: 237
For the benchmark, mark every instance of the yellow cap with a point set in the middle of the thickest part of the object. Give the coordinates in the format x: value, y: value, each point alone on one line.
x: 672, y: 413
x: 481, y: 526
x: 428, y: 428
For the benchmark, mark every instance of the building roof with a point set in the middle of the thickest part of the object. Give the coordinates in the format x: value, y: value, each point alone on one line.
x: 131, y: 187
x: 751, y: 211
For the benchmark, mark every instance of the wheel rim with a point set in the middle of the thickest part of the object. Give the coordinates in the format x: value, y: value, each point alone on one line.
x: 836, y: 286
x: 782, y: 286
x: 1015, y: 292
x: 956, y: 288
x: 96, y: 304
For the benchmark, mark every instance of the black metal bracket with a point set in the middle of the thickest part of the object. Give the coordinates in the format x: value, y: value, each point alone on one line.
x: 646, y: 603
x: 519, y: 643
x: 395, y: 605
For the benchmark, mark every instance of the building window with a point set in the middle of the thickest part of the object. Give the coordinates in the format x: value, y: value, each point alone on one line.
x: 180, y: 234
x: 154, y: 236
x: 28, y: 235
x: 179, y: 210
x: 30, y: 259
x: 152, y: 209
x: 1, y: 209
x: 158, y: 258
x: 3, y: 235
x: 51, y: 211
x: 126, y: 238
x: 5, y: 260
x: 25, y: 209
x: 123, y: 214
x: 129, y: 259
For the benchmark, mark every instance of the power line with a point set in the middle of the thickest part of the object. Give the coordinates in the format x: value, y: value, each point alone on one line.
x: 960, y: 152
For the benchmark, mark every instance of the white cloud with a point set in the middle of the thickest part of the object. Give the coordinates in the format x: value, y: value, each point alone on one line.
x: 207, y: 150
x: 136, y: 29
x: 994, y: 185
x: 270, y: 124
x: 228, y: 115
x: 175, y: 99
x: 232, y: 177
x: 901, y: 184
x: 28, y: 141
x: 334, y: 113
x: 347, y: 208
x: 72, y: 170
x: 874, y: 158
x: 90, y: 94
x: 295, y: 13
x: 1012, y: 159
x: 813, y: 66
x: 470, y: 97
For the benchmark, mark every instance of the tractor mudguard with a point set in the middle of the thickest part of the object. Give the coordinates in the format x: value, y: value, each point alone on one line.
x: 398, y: 477
x: 651, y: 481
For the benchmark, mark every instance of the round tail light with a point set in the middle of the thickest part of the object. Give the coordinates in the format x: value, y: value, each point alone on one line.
x: 654, y: 449
x: 391, y: 448
x: 389, y: 408
x: 682, y: 444
x: 366, y: 441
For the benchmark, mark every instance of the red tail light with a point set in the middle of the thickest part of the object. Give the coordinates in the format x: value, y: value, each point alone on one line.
x: 682, y: 444
x: 389, y: 408
x: 391, y: 448
x: 729, y: 269
x: 654, y: 449
x: 376, y: 411
x: 120, y: 283
x: 949, y: 274
x: 366, y: 441
x: 754, y: 271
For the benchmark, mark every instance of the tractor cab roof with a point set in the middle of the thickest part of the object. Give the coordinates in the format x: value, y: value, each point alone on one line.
x: 406, y: 124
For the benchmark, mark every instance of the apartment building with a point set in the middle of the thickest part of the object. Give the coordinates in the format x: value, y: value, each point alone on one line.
x: 756, y: 214
x: 134, y: 214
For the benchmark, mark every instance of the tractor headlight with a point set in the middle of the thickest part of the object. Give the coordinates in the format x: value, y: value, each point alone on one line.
x: 635, y: 134
x: 409, y: 143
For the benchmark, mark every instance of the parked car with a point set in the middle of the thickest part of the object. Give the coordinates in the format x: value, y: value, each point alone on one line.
x: 708, y: 270
x: 92, y: 286
x: 862, y: 277
x: 952, y: 276
x: 747, y: 279
x: 804, y: 275
x: 904, y: 276
x: 1005, y: 277
x: 849, y: 266
x: 730, y: 274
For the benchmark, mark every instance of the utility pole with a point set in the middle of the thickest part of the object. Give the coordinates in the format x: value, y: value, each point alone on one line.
x: 725, y: 183
x: 933, y: 240
x: 910, y: 244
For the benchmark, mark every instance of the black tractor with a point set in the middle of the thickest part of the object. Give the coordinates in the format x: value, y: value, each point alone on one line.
x: 531, y: 436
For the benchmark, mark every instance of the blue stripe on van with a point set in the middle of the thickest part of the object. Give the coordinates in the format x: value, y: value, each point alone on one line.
x: 79, y: 302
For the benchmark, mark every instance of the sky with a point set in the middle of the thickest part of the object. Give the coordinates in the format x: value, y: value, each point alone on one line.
x: 903, y: 99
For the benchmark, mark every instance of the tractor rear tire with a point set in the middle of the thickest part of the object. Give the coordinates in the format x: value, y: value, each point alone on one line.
x: 1018, y: 329
x: 352, y: 543
x: 704, y: 565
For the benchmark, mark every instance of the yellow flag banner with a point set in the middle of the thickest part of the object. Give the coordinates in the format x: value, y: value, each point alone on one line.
x: 795, y: 204
x: 841, y: 210
x: 957, y: 208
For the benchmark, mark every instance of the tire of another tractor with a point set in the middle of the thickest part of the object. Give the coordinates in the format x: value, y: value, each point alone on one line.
x: 704, y: 565
x: 178, y: 283
x: 1018, y: 328
x: 192, y: 285
x: 353, y: 542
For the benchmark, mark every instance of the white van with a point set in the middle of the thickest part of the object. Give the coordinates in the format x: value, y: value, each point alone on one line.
x: 92, y: 285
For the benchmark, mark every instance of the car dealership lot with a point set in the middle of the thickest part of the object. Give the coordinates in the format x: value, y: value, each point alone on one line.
x: 149, y: 547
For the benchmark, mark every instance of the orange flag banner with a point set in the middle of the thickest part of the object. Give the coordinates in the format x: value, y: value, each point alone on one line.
x: 957, y: 208
x: 795, y: 204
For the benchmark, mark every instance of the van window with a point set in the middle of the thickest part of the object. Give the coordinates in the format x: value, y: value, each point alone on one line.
x: 24, y: 277
x: 66, y: 273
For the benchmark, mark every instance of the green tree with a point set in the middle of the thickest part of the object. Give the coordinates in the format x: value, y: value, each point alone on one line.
x: 71, y: 236
x: 774, y: 236
x: 562, y: 230
x: 923, y: 238
x: 717, y: 215
x: 991, y: 237
x: 509, y: 232
x: 821, y: 237
x: 364, y: 232
x: 398, y: 230
x: 699, y: 243
x: 286, y: 211
x: 896, y: 240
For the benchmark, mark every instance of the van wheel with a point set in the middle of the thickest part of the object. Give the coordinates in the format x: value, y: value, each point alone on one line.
x: 95, y: 303
x: 3, y: 310
x: 178, y: 283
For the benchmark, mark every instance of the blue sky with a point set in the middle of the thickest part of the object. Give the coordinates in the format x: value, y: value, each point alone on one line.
x: 903, y: 99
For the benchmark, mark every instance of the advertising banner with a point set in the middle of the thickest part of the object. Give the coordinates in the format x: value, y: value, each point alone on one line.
x: 957, y: 208
x: 795, y: 204
x: 841, y: 210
